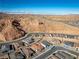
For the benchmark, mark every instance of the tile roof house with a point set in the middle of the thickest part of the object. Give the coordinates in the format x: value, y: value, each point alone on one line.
x: 37, y: 47
x: 28, y: 52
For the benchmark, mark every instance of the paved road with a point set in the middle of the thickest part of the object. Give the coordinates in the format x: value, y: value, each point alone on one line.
x: 27, y: 35
x: 52, y: 50
x: 17, y: 40
x: 72, y: 52
x: 47, y: 53
x: 64, y: 55
x: 56, y: 35
x: 65, y: 37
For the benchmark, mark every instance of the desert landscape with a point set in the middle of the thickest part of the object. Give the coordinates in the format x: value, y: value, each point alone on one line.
x: 34, y: 36
x: 39, y: 29
x: 13, y: 26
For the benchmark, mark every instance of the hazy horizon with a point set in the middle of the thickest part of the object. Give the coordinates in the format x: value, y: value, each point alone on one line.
x: 51, y: 7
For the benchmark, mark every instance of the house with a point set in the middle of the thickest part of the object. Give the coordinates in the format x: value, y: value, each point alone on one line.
x: 6, y: 48
x: 28, y: 40
x: 12, y: 56
x: 28, y: 52
x: 53, y: 57
x: 68, y: 44
x: 19, y: 55
x: 37, y: 47
x: 76, y: 46
x: 4, y: 56
x: 45, y: 44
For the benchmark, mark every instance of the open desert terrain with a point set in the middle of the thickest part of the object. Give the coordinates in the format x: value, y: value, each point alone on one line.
x: 13, y: 26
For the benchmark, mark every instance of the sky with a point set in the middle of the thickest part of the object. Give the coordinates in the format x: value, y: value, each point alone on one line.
x: 40, y: 6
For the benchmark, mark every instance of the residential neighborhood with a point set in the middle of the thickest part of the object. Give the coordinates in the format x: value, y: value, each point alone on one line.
x: 39, y: 48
